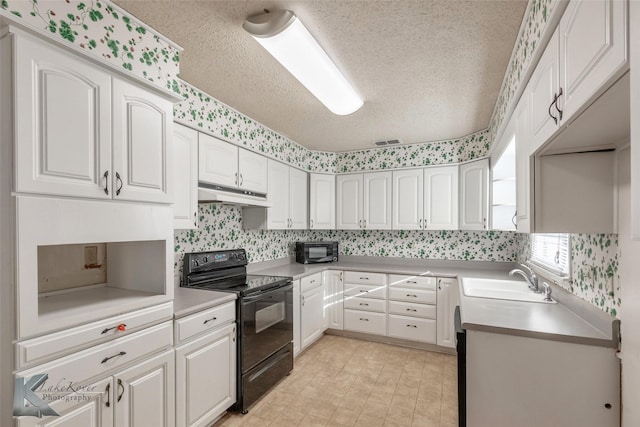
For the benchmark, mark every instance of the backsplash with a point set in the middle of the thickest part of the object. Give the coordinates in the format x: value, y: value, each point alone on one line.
x: 221, y: 228
x: 105, y: 31
x: 594, y: 268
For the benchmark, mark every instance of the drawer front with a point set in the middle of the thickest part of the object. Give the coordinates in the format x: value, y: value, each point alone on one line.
x: 101, y: 359
x: 365, y: 278
x: 412, y: 309
x: 41, y: 349
x: 412, y: 328
x: 310, y: 282
x: 413, y: 282
x: 364, y: 321
x: 367, y: 304
x: 413, y: 295
x: 365, y: 291
x: 205, y: 320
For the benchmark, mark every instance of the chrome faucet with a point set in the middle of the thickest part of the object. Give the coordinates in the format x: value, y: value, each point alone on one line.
x: 529, y: 276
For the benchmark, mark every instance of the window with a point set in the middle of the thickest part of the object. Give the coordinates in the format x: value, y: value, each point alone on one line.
x: 552, y: 252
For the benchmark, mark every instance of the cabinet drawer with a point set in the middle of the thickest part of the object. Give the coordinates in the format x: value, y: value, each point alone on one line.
x: 412, y: 328
x: 365, y: 291
x: 42, y: 349
x: 205, y: 320
x: 364, y: 321
x: 413, y: 295
x: 412, y: 309
x: 365, y: 278
x: 367, y: 304
x: 310, y: 282
x: 412, y: 282
x: 79, y: 367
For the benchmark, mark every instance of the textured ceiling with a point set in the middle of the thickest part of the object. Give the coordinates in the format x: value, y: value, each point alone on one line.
x: 427, y: 70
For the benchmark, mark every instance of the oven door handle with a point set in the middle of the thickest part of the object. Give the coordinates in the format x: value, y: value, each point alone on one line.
x: 266, y: 294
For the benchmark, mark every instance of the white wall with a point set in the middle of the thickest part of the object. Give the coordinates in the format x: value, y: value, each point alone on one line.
x: 630, y: 286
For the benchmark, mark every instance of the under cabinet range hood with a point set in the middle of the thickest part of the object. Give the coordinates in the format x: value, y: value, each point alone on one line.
x: 210, y: 193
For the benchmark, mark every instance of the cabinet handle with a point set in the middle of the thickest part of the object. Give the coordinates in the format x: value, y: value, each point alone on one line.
x: 118, y: 179
x: 411, y: 326
x: 363, y: 292
x: 412, y: 296
x: 121, y: 327
x: 106, y: 359
x: 412, y: 281
x: 106, y: 182
x: 364, y: 319
x: 302, y: 300
x: 236, y: 174
x: 195, y: 219
x: 412, y: 309
x: 555, y: 119
x: 341, y: 276
x: 513, y: 219
x: 311, y: 223
x: 312, y: 281
x: 420, y: 223
x: 364, y: 223
x: 120, y: 385
x: 555, y: 103
x: 213, y: 319
x: 108, y: 391
x: 364, y: 278
x: 484, y: 223
x: 241, y: 180
x: 364, y: 304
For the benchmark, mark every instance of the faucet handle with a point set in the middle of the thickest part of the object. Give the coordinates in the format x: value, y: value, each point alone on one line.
x: 547, y: 291
x: 527, y: 268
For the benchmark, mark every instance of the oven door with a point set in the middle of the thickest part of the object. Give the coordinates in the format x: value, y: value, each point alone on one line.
x: 266, y: 325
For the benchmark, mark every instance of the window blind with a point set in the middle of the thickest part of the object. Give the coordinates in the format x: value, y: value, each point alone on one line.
x: 552, y: 251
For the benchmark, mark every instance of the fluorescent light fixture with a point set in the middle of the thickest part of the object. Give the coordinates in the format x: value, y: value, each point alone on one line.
x: 282, y: 34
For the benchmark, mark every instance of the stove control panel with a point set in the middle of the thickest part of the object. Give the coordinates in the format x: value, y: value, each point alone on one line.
x: 201, y: 262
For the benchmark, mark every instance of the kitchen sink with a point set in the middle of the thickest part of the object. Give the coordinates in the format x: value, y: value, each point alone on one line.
x: 514, y: 290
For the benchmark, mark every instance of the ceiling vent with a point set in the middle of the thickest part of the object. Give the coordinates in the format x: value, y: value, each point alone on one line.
x: 387, y: 142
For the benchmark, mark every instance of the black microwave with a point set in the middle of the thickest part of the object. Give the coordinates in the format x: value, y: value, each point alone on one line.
x: 316, y: 252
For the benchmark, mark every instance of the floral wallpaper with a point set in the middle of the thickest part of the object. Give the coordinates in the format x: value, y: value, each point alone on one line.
x: 104, y: 30
x: 594, y: 268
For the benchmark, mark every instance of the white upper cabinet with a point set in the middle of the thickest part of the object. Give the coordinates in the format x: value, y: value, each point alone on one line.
x: 593, y: 46
x: 322, y: 201
x: 349, y: 204
x: 408, y: 193
x: 278, y: 214
x: 441, y: 198
x: 377, y: 201
x: 298, y: 203
x: 142, y: 132
x: 229, y: 166
x: 67, y: 141
x: 364, y: 201
x: 474, y: 201
x: 185, y: 177
x: 524, y: 179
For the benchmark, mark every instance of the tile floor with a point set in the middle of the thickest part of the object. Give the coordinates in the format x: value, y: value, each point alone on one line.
x: 346, y: 382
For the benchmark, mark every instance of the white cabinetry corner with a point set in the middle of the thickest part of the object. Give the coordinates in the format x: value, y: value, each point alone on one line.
x: 333, y: 299
x: 185, y: 177
x: 474, y: 199
x: 311, y: 309
x: 296, y: 317
x: 95, y: 154
x: 364, y: 201
x: 206, y: 375
x: 322, y: 201
x: 447, y: 302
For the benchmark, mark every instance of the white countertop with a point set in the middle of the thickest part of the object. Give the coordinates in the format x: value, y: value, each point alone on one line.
x: 188, y: 301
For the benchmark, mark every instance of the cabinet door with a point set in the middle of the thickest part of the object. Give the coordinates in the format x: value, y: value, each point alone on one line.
x: 474, y: 201
x: 593, y: 47
x: 333, y: 299
x: 441, y: 198
x: 296, y: 317
x: 543, y: 87
x: 311, y: 313
x: 298, y: 203
x: 408, y: 199
x: 206, y: 377
x: 447, y: 301
x: 217, y: 161
x: 523, y: 166
x: 142, y: 133
x: 349, y: 204
x: 278, y: 194
x: 322, y: 202
x: 62, y: 122
x: 377, y: 201
x: 145, y: 393
x: 185, y: 177
x: 91, y: 406
x: 252, y: 171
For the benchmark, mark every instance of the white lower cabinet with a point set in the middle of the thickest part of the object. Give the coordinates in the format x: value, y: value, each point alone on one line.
x: 206, y: 377
x: 333, y: 299
x: 447, y: 302
x: 365, y: 302
x: 412, y: 328
x: 296, y: 317
x: 412, y: 308
x: 311, y: 309
x: 365, y: 321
